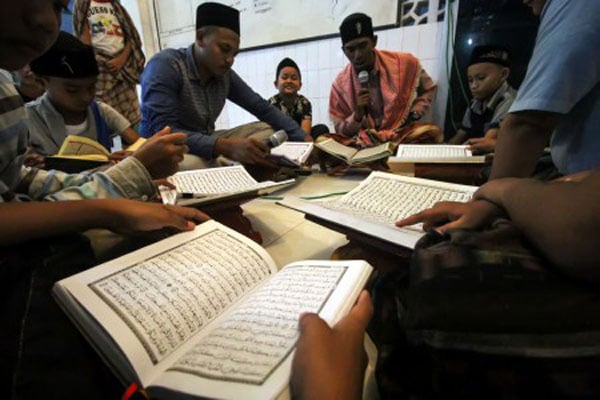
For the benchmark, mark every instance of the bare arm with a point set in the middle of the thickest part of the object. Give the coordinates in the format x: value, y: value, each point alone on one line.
x: 86, y: 37
x: 521, y: 141
x: 33, y: 220
x: 306, y: 126
x: 560, y: 218
x: 459, y: 137
x: 130, y: 136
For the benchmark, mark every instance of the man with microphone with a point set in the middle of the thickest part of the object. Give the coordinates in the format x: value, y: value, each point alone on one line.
x: 379, y: 90
x: 186, y: 89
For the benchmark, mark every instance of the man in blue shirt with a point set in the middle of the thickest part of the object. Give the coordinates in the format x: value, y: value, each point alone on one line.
x: 187, y: 88
x: 560, y: 96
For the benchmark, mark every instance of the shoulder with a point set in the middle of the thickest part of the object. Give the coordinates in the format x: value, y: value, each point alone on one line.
x: 303, y: 100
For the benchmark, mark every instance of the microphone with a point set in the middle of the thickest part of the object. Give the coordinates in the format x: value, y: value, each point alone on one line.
x: 363, y: 78
x: 277, y: 138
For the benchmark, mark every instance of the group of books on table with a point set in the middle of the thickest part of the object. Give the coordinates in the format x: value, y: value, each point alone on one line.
x: 206, y: 314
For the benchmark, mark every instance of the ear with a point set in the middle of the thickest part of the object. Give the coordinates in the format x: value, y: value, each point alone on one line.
x: 299, y: 85
x: 43, y: 78
x: 275, y: 83
x: 374, y: 40
x: 200, y: 34
x: 505, y: 73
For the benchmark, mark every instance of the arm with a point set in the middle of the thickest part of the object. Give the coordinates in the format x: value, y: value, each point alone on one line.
x: 560, y: 218
x: 241, y: 94
x: 521, y: 141
x: 129, y: 136
x: 161, y: 84
x: 346, y: 121
x: 425, y: 94
x: 34, y: 220
x: 306, y: 126
x: 459, y: 137
x: 330, y: 362
x: 486, y: 144
x: 132, y: 178
x: 86, y: 36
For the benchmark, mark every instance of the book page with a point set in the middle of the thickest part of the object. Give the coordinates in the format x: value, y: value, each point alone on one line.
x: 372, y: 153
x: 379, y: 201
x: 213, y: 180
x: 154, y: 300
x: 435, y: 153
x: 242, y: 354
x: 296, y: 152
x: 81, y: 146
x: 337, y: 149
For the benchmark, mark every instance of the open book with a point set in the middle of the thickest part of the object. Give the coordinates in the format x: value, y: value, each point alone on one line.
x: 78, y: 153
x: 291, y: 154
x: 435, y: 153
x: 354, y: 156
x: 205, y: 313
x: 378, y: 202
x: 206, y: 186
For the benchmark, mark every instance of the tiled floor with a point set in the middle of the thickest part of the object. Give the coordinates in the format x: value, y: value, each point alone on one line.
x: 287, y: 236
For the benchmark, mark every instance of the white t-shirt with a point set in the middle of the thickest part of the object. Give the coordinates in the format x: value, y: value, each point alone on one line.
x: 77, y: 130
x: 105, y: 28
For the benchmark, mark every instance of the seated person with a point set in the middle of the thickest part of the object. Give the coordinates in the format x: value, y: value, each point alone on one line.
x: 26, y: 306
x: 29, y: 86
x: 398, y: 91
x: 69, y: 71
x: 288, y: 82
x: 559, y: 99
x: 186, y: 89
x: 487, y: 73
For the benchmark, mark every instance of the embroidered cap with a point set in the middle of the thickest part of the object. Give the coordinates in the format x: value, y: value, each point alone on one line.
x: 67, y: 58
x: 287, y: 62
x: 216, y: 14
x: 491, y: 53
x: 355, y: 26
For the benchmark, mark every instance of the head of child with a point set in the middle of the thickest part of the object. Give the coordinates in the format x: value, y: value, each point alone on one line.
x: 69, y: 71
x: 288, y: 79
x: 488, y: 70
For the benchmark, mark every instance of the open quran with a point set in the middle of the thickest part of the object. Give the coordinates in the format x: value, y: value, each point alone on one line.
x: 291, y: 154
x: 378, y: 202
x: 205, y: 313
x: 210, y: 185
x: 354, y: 156
x: 435, y: 153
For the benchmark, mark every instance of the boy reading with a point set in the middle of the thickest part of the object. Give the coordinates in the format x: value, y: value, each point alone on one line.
x: 69, y: 72
x: 487, y: 73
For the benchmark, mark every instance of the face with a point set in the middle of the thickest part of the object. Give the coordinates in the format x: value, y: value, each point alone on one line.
x: 288, y: 82
x: 217, y: 49
x: 536, y: 5
x: 485, y: 79
x: 360, y: 52
x: 71, y: 95
x: 27, y: 29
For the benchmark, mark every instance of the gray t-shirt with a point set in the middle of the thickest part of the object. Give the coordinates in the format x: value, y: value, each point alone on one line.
x: 47, y: 129
x: 563, y: 77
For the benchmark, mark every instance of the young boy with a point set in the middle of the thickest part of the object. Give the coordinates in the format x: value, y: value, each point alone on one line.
x: 69, y: 72
x: 488, y: 71
x: 38, y: 344
x: 288, y: 82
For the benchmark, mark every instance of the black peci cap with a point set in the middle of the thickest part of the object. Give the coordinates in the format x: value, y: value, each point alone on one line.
x: 355, y: 26
x: 67, y: 58
x: 216, y: 14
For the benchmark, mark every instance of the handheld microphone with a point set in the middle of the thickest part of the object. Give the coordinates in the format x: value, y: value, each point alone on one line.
x: 277, y: 138
x: 363, y: 78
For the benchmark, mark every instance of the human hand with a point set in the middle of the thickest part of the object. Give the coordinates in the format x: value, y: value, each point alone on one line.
x: 452, y: 215
x: 130, y: 217
x: 162, y: 153
x: 363, y: 99
x: 115, y: 64
x: 246, y: 151
x: 483, y: 145
x: 33, y: 159
x: 330, y: 362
